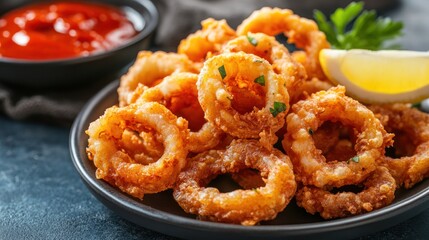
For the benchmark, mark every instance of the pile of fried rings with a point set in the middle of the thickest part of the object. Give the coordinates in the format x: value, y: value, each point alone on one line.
x: 238, y: 102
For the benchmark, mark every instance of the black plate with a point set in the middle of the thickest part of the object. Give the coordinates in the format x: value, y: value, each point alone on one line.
x: 161, y: 213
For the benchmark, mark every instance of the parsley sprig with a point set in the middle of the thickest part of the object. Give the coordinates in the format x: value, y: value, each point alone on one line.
x: 366, y: 30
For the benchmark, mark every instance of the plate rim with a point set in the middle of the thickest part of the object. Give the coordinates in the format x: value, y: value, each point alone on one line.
x: 400, y: 208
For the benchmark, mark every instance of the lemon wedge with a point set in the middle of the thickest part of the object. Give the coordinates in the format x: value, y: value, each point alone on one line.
x: 385, y: 76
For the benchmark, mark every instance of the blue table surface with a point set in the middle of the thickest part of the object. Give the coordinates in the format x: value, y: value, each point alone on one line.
x: 43, y: 197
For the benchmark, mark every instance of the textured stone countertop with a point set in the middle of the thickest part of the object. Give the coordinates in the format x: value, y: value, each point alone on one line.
x: 43, y: 197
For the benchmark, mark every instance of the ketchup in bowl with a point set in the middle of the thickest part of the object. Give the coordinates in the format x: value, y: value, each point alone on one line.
x: 49, y: 31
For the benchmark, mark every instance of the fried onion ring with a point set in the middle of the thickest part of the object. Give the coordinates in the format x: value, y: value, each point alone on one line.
x: 411, y: 165
x: 303, y: 32
x: 206, y: 41
x: 379, y: 191
x: 148, y: 70
x: 118, y: 167
x: 246, y: 207
x: 178, y: 92
x: 222, y: 97
x: 332, y: 105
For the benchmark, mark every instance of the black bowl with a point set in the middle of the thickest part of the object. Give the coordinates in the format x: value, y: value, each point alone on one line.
x: 161, y: 213
x: 73, y: 71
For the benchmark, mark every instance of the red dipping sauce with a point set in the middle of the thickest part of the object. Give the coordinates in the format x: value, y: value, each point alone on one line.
x: 49, y: 31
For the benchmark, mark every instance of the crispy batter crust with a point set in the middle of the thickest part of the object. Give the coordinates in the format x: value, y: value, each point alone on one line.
x: 379, y: 191
x: 303, y: 32
x: 412, y: 124
x: 120, y: 168
x: 310, y: 165
x: 246, y: 207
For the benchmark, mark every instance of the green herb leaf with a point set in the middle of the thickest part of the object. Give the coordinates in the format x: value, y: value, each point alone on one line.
x: 278, y: 108
x: 252, y: 40
x: 222, y: 71
x: 354, y: 159
x: 326, y: 27
x: 416, y: 105
x: 343, y: 16
x: 260, y: 80
x: 366, y: 31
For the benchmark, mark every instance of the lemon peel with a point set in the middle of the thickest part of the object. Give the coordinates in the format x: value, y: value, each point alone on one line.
x: 385, y: 76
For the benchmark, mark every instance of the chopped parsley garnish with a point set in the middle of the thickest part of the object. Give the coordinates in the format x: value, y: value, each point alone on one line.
x: 260, y: 80
x: 222, y: 71
x: 278, y: 108
x: 310, y: 131
x: 416, y: 105
x: 258, y: 61
x: 354, y: 159
x: 252, y: 40
x: 354, y: 27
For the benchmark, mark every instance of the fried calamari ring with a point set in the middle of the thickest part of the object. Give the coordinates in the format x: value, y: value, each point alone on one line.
x: 332, y: 105
x: 206, y: 41
x: 275, y: 53
x: 118, y: 167
x: 148, y: 70
x: 246, y: 207
x: 178, y: 92
x: 241, y: 94
x: 411, y: 129
x: 379, y: 191
x: 303, y: 32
